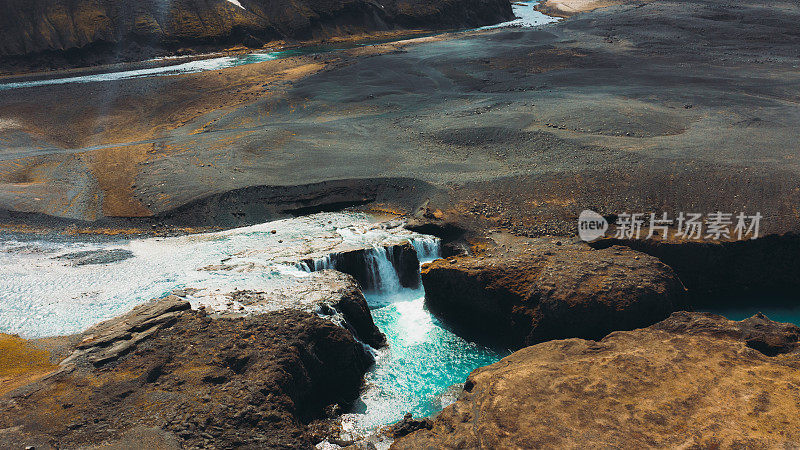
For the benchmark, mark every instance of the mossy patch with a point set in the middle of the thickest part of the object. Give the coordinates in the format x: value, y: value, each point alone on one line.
x: 21, y: 363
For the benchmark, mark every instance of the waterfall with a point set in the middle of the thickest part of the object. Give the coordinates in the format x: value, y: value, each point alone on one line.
x: 315, y: 265
x: 326, y: 262
x: 378, y: 268
x: 381, y: 272
x: 428, y: 248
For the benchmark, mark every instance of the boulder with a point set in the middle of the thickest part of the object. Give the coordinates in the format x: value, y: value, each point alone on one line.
x: 408, y: 425
x: 694, y: 380
x: 525, y: 291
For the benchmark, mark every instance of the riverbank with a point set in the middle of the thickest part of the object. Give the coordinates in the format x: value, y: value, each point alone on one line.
x: 525, y: 108
x: 569, y: 8
x: 693, y: 380
x: 35, y: 35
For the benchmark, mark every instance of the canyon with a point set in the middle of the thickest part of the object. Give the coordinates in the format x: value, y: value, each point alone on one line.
x: 449, y: 284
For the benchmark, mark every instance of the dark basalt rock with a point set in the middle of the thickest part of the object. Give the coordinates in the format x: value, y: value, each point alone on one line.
x: 88, y: 257
x: 721, y: 273
x: 353, y: 306
x: 409, y: 425
x: 542, y: 289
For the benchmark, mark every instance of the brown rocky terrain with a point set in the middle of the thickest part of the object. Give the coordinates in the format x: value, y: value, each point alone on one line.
x: 174, y: 378
x: 692, y: 381
x: 527, y: 291
x: 83, y: 32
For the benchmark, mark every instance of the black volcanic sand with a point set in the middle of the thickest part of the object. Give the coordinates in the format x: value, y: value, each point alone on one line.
x: 651, y: 106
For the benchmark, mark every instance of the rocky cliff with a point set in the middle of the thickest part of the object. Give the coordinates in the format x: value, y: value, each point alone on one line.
x: 692, y: 381
x: 526, y: 291
x: 99, y: 30
x: 163, y: 376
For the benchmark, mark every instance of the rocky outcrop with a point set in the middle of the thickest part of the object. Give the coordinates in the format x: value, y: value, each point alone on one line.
x: 330, y: 294
x: 569, y: 8
x: 194, y: 381
x: 692, y: 381
x: 88, y: 30
x: 345, y: 298
x: 258, y: 204
x: 721, y: 273
x: 109, y: 340
x: 526, y: 291
x: 408, y: 425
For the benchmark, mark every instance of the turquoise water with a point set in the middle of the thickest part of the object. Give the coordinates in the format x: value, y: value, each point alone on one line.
x: 776, y: 313
x: 418, y: 370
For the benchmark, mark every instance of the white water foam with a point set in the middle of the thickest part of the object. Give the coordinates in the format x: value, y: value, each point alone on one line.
x: 428, y: 248
x: 46, y: 292
x: 382, y: 276
x: 421, y: 368
x: 526, y: 16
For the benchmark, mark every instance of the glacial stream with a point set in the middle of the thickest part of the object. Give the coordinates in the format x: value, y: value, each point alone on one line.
x: 424, y: 363
x: 59, y: 285
x: 527, y: 16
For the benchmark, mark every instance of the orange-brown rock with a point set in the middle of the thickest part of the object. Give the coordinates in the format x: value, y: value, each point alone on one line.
x: 694, y: 380
x: 535, y: 290
x: 187, y: 380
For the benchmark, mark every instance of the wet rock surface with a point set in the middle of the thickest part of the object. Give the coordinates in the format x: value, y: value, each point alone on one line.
x: 344, y: 295
x: 692, y: 380
x: 331, y: 294
x: 192, y: 381
x: 409, y: 425
x: 96, y: 257
x: 358, y: 264
x: 525, y: 291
